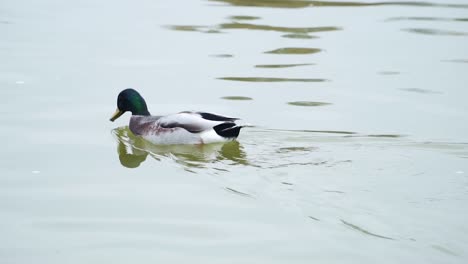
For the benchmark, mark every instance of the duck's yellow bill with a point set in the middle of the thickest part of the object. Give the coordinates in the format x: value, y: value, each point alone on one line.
x: 116, y: 115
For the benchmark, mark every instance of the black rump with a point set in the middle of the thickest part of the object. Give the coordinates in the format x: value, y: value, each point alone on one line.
x: 227, y: 130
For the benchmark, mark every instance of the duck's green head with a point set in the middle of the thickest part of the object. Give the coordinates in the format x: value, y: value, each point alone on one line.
x: 130, y: 100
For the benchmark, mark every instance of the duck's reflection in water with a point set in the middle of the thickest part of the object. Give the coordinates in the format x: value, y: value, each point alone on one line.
x: 134, y: 150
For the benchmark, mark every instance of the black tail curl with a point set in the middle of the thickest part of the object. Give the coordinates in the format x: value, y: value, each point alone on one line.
x: 227, y: 130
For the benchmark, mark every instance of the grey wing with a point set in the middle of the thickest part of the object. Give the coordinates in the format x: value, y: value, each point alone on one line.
x: 193, y: 122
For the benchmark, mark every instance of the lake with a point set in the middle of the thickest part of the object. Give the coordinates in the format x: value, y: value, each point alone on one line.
x: 358, y: 151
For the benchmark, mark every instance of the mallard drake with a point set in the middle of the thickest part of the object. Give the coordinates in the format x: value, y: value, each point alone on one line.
x: 182, y: 128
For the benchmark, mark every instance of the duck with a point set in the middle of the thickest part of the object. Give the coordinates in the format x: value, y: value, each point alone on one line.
x: 187, y: 127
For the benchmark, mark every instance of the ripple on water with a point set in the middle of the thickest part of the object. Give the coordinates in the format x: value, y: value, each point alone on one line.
x: 270, y: 79
x: 236, y: 98
x: 294, y: 32
x: 457, y: 61
x: 364, y: 231
x: 282, y: 65
x: 212, y: 31
x: 298, y: 36
x: 232, y: 190
x: 443, y: 19
x: 305, y: 3
x: 185, y: 27
x: 435, y: 32
x: 244, y: 17
x: 294, y: 51
x: 315, y: 131
x: 299, y: 30
x: 419, y: 90
x: 222, y: 55
x: 295, y: 149
x: 389, y: 73
x: 288, y: 3
x: 383, y: 136
x: 444, y: 250
x: 192, y: 28
x: 308, y: 103
x: 459, y: 149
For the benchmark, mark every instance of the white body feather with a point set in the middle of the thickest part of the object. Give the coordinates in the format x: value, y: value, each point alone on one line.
x: 180, y: 128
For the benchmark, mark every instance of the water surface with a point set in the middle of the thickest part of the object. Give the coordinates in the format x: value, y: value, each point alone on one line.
x: 358, y: 150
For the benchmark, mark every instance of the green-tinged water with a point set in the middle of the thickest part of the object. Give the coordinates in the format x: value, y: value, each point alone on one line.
x: 358, y: 151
